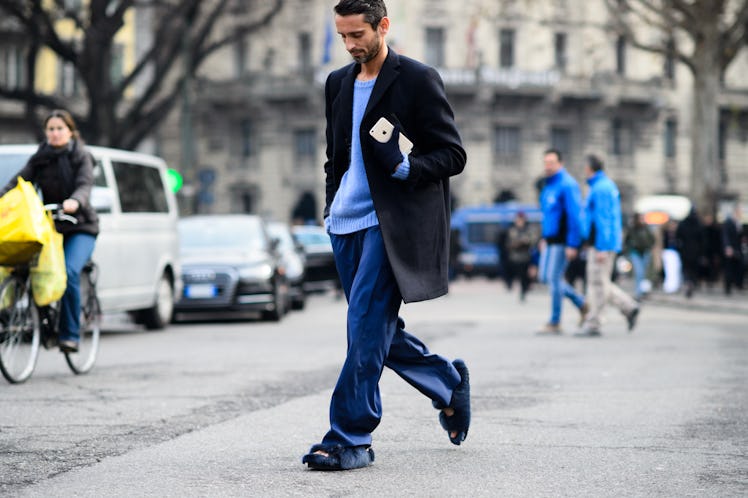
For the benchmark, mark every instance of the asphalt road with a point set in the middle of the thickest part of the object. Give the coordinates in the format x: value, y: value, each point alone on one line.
x: 229, y: 408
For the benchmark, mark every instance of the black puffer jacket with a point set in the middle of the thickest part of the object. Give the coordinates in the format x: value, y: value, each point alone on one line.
x: 63, y: 174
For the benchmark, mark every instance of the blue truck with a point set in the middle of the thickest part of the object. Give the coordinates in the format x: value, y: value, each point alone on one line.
x: 478, y: 228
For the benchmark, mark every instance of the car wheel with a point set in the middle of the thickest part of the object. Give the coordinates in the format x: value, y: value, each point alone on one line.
x: 279, y: 304
x: 158, y: 316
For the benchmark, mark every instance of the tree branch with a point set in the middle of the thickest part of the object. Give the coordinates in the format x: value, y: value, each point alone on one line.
x: 735, y: 36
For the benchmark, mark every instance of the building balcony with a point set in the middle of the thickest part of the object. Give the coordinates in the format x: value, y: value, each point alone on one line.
x: 300, y: 86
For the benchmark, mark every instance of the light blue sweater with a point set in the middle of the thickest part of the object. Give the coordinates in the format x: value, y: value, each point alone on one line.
x: 352, y: 208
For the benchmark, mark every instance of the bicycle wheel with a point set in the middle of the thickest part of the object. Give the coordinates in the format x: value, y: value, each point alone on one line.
x: 19, y: 330
x: 90, y: 321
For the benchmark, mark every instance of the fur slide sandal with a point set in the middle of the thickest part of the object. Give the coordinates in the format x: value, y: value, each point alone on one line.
x: 459, y: 422
x: 339, y: 457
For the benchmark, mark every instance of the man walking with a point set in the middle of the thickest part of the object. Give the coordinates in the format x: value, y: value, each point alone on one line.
x: 387, y: 213
x: 603, y: 228
x: 732, y: 234
x: 560, y: 201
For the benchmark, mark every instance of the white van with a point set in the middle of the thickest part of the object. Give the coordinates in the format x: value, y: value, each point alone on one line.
x: 137, y: 249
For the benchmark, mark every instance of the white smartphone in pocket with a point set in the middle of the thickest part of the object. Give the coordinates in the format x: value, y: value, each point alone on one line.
x: 382, y: 132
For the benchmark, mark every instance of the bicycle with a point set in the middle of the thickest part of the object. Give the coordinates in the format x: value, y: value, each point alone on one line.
x: 24, y: 326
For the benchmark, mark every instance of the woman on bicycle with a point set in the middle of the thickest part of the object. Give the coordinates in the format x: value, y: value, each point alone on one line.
x: 62, y: 168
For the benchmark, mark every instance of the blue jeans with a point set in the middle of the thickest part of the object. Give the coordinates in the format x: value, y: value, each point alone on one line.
x: 376, y: 338
x: 640, y: 262
x: 551, y: 272
x: 78, y: 250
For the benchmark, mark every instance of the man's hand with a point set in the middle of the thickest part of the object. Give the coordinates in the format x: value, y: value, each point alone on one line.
x: 571, y: 253
x: 388, y: 154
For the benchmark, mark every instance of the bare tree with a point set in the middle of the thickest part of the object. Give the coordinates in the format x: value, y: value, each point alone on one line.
x: 705, y: 35
x: 185, y: 33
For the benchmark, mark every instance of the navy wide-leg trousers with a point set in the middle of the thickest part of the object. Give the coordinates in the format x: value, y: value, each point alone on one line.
x: 376, y: 337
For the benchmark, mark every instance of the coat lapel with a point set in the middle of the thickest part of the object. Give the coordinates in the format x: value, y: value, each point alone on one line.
x: 385, y: 78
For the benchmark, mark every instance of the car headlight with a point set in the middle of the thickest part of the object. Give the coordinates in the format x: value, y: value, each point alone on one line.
x: 262, y: 271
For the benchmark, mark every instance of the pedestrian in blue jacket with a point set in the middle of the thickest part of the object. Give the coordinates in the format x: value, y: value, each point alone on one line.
x: 603, y: 231
x: 560, y: 201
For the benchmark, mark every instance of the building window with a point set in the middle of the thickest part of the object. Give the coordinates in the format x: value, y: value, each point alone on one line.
x: 621, y: 55
x: 68, y: 82
x: 559, y: 43
x: 435, y: 47
x: 669, y: 67
x: 117, y: 64
x: 671, y: 132
x: 305, y: 51
x: 722, y: 140
x: 246, y: 130
x: 561, y: 141
x: 621, y: 137
x: 12, y: 71
x: 506, y: 142
x: 305, y: 145
x: 506, y: 48
x: 240, y: 57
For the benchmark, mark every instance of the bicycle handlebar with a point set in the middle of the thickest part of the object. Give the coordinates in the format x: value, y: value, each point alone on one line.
x: 59, y: 214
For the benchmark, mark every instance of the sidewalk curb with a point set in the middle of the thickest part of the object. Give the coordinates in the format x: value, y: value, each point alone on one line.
x: 698, y: 304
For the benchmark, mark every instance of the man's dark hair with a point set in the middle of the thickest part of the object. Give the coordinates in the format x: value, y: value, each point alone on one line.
x: 373, y: 10
x: 595, y: 163
x: 554, y: 151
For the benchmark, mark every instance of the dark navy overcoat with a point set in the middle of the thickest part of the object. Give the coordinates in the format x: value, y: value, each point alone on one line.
x: 413, y: 214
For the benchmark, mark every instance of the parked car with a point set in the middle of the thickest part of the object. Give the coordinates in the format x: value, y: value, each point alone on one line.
x: 137, y: 226
x: 230, y: 263
x: 321, y: 272
x: 294, y: 261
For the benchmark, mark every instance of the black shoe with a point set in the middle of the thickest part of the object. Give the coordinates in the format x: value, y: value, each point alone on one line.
x: 588, y: 333
x: 631, y: 318
x: 68, y: 346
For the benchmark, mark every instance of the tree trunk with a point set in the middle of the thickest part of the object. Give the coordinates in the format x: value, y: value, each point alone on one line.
x: 705, y: 177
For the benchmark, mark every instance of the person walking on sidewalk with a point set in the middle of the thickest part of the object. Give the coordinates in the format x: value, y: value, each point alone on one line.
x: 521, y: 239
x: 689, y: 238
x: 387, y: 213
x: 732, y: 230
x: 638, y: 243
x: 603, y: 231
x: 560, y: 201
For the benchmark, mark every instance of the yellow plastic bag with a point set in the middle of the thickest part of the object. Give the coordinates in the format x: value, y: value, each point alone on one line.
x: 49, y: 277
x: 23, y: 225
x: 4, y: 298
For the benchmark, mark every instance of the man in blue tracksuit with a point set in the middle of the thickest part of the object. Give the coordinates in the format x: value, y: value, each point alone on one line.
x: 602, y: 227
x: 560, y: 201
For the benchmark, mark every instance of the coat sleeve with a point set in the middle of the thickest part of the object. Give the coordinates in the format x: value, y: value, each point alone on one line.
x: 606, y: 212
x: 330, y: 148
x: 574, y: 215
x: 83, y: 178
x: 439, y: 153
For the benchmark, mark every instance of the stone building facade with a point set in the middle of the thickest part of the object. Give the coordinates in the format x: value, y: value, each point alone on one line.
x: 522, y: 76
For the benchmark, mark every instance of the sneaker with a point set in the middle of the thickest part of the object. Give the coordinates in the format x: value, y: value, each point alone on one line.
x: 68, y: 346
x: 583, y: 313
x: 585, y: 332
x: 549, y: 329
x: 631, y: 318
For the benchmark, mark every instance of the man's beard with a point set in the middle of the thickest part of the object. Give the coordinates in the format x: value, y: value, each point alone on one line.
x: 371, y: 52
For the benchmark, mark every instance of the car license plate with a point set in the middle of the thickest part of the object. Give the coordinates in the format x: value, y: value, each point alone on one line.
x: 200, y: 291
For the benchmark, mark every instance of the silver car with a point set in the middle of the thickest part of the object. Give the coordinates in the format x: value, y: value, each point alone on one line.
x: 294, y: 262
x: 230, y: 264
